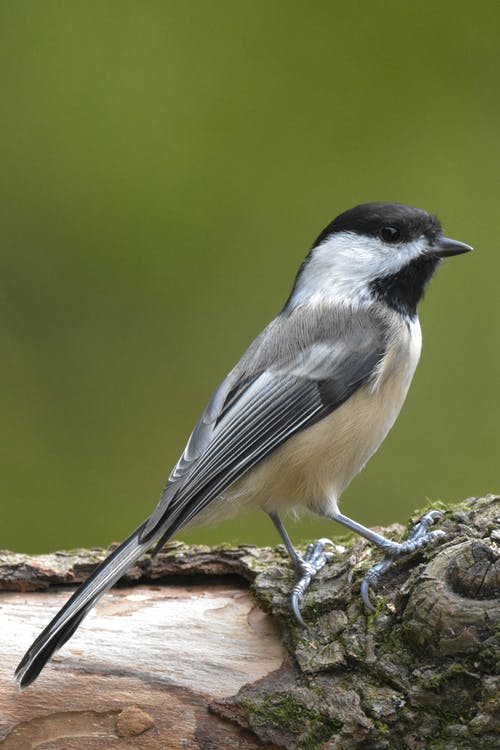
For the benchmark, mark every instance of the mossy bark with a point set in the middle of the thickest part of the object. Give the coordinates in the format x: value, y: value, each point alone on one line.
x: 421, y: 672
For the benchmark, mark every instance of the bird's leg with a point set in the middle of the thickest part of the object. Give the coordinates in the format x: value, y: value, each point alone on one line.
x: 315, y: 558
x: 419, y: 537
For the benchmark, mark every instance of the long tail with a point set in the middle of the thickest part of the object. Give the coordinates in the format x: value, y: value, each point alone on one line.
x: 64, y: 624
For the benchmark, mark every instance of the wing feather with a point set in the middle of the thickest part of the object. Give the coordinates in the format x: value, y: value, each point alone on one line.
x: 247, y: 419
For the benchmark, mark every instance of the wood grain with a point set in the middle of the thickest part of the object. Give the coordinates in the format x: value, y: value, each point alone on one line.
x: 141, y: 670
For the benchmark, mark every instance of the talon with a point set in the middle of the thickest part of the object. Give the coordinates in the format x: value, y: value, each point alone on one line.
x: 324, y: 542
x: 371, y: 579
x: 419, y: 538
x: 365, y: 595
x: 296, y: 608
x: 298, y: 592
x: 421, y: 527
x: 315, y: 558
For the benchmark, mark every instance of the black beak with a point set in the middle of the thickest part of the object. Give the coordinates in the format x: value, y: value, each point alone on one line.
x: 446, y: 247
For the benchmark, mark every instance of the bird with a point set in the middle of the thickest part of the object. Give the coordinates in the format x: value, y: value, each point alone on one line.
x: 302, y: 411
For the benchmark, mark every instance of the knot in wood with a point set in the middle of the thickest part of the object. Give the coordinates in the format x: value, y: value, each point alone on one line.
x: 452, y: 608
x: 474, y: 572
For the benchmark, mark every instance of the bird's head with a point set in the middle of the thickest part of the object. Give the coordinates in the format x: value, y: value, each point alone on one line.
x: 375, y: 251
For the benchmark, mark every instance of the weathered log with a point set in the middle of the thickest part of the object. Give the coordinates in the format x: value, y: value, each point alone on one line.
x: 182, y: 656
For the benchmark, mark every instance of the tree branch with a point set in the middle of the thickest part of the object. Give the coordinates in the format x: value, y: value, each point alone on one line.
x: 180, y: 656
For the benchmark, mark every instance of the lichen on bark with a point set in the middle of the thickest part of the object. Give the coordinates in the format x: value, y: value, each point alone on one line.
x: 421, y: 672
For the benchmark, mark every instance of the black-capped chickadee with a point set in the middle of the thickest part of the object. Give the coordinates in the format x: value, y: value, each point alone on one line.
x: 306, y: 406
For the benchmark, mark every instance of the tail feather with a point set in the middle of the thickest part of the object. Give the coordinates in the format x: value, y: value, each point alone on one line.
x: 64, y: 624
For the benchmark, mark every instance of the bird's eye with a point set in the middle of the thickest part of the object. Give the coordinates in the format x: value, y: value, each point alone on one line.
x: 390, y: 234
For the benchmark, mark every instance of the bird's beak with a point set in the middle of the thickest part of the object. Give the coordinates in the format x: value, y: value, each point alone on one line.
x: 446, y: 247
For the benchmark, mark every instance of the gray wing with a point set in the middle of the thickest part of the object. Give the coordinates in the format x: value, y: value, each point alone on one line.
x: 200, y: 437
x: 285, y: 382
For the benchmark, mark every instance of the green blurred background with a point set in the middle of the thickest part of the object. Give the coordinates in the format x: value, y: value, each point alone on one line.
x: 164, y: 168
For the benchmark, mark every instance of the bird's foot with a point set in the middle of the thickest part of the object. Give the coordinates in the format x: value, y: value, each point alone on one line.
x: 307, y: 567
x: 419, y: 537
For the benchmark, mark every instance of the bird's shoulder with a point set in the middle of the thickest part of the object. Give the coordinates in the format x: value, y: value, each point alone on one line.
x: 336, y: 348
x: 317, y: 331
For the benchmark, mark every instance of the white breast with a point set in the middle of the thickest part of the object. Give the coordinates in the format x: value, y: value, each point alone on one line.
x: 313, y: 468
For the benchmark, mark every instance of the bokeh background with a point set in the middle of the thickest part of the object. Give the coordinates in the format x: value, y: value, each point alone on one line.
x: 164, y: 168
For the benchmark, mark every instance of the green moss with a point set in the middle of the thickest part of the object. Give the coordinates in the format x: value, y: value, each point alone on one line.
x: 437, y: 679
x: 278, y: 709
x: 463, y: 506
x: 488, y: 658
x: 320, y: 732
x: 285, y: 712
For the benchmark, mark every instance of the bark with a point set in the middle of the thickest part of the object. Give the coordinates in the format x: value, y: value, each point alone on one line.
x: 184, y: 655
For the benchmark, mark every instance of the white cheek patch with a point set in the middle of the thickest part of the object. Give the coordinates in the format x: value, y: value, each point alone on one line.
x: 344, y: 266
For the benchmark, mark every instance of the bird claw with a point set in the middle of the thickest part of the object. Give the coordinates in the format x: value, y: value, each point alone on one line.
x: 370, y: 581
x: 418, y: 538
x: 315, y: 558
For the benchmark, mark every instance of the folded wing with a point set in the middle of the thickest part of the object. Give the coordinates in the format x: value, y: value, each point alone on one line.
x: 262, y: 403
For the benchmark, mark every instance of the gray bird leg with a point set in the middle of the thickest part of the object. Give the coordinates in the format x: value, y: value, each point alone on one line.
x: 315, y: 558
x: 418, y: 538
